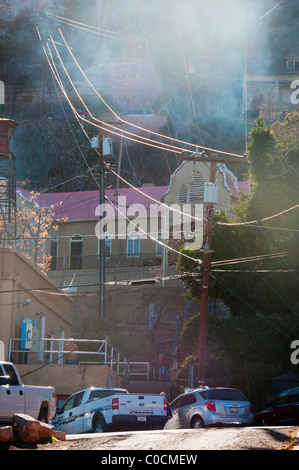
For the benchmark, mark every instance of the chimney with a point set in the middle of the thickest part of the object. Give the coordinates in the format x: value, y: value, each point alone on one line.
x: 7, y: 127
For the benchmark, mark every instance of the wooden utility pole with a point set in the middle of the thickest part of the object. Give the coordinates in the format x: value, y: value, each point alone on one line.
x: 101, y: 152
x: 102, y: 239
x: 206, y: 267
x: 213, y: 159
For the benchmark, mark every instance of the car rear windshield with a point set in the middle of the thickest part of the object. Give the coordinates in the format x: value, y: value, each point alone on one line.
x: 225, y: 394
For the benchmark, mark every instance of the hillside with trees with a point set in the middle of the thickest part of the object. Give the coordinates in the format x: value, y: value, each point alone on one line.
x: 196, y: 68
x: 252, y: 346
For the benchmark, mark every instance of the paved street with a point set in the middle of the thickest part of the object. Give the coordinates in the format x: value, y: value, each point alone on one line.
x: 178, y: 441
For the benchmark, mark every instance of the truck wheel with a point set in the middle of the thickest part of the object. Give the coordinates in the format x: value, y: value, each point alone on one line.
x: 43, y: 415
x: 99, y: 426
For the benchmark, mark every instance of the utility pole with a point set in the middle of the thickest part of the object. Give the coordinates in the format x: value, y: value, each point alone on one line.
x: 206, y: 267
x: 102, y: 239
x: 104, y: 147
x: 213, y: 159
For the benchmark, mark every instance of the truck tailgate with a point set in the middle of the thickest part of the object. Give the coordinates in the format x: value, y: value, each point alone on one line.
x: 140, y: 406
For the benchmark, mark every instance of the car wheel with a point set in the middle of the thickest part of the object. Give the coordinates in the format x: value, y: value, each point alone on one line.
x: 197, y: 423
x: 99, y: 426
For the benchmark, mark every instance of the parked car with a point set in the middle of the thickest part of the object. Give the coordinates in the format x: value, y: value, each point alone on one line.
x: 284, y: 410
x: 210, y: 406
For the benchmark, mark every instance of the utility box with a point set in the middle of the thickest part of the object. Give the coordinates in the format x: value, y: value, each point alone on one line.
x: 211, y: 193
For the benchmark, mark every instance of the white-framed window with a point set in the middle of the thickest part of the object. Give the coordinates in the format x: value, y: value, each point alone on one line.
x: 107, y: 246
x: 76, y: 250
x: 53, y: 253
x: 133, y: 245
x: 159, y: 247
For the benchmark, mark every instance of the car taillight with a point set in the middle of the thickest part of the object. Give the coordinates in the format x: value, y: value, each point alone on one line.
x: 165, y: 405
x: 115, y: 403
x: 211, y: 405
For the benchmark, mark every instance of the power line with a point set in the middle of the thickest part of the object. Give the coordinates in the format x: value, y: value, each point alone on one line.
x: 252, y: 308
x: 139, y: 127
x: 90, y: 28
x: 261, y: 220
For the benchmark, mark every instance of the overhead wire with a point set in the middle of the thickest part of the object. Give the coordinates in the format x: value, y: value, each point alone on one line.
x: 261, y: 220
x: 78, y: 24
x: 116, y: 174
x: 261, y: 277
x: 156, y: 240
x: 252, y: 308
x: 195, y: 146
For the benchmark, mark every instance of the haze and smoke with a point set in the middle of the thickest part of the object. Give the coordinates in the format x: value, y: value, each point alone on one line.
x: 181, y: 59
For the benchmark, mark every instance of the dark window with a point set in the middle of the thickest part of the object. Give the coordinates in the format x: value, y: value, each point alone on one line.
x: 103, y: 394
x: 188, y: 399
x: 76, y: 249
x: 73, y: 401
x: 294, y: 396
x: 225, y: 394
x: 53, y: 253
x: 281, y: 399
x: 177, y: 403
x: 9, y: 370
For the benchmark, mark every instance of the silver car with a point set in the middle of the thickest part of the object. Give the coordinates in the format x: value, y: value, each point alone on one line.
x: 210, y: 406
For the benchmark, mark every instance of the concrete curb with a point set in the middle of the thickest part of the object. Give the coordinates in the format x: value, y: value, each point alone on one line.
x: 295, y: 445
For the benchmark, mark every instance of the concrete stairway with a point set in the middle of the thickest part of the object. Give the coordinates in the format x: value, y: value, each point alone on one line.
x: 147, y: 387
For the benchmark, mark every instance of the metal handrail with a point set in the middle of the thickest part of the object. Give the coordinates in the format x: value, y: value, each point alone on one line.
x: 42, y: 350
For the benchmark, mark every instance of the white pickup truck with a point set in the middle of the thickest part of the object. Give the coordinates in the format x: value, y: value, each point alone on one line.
x: 15, y: 397
x: 101, y: 409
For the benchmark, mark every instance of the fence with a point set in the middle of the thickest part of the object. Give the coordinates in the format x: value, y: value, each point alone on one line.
x: 96, y: 352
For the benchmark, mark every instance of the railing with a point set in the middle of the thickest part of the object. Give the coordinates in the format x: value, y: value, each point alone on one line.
x: 97, y: 352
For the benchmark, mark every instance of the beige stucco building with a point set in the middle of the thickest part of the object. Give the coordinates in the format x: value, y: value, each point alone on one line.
x: 134, y: 226
x: 28, y: 295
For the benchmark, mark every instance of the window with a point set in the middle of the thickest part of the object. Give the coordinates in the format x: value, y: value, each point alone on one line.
x: 290, y: 65
x: 133, y: 245
x: 53, y: 253
x: 177, y: 403
x: 72, y: 402
x: 159, y: 247
x: 10, y: 371
x: 76, y: 248
x: 294, y: 396
x: 197, y: 188
x: 183, y: 194
x: 281, y: 399
x: 107, y: 246
x: 188, y: 399
x: 226, y: 394
x: 96, y: 394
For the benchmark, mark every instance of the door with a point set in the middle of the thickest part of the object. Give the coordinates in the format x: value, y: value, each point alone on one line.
x: 293, y: 400
x: 69, y: 419
x: 281, y: 410
x: 12, y: 396
x: 181, y: 410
